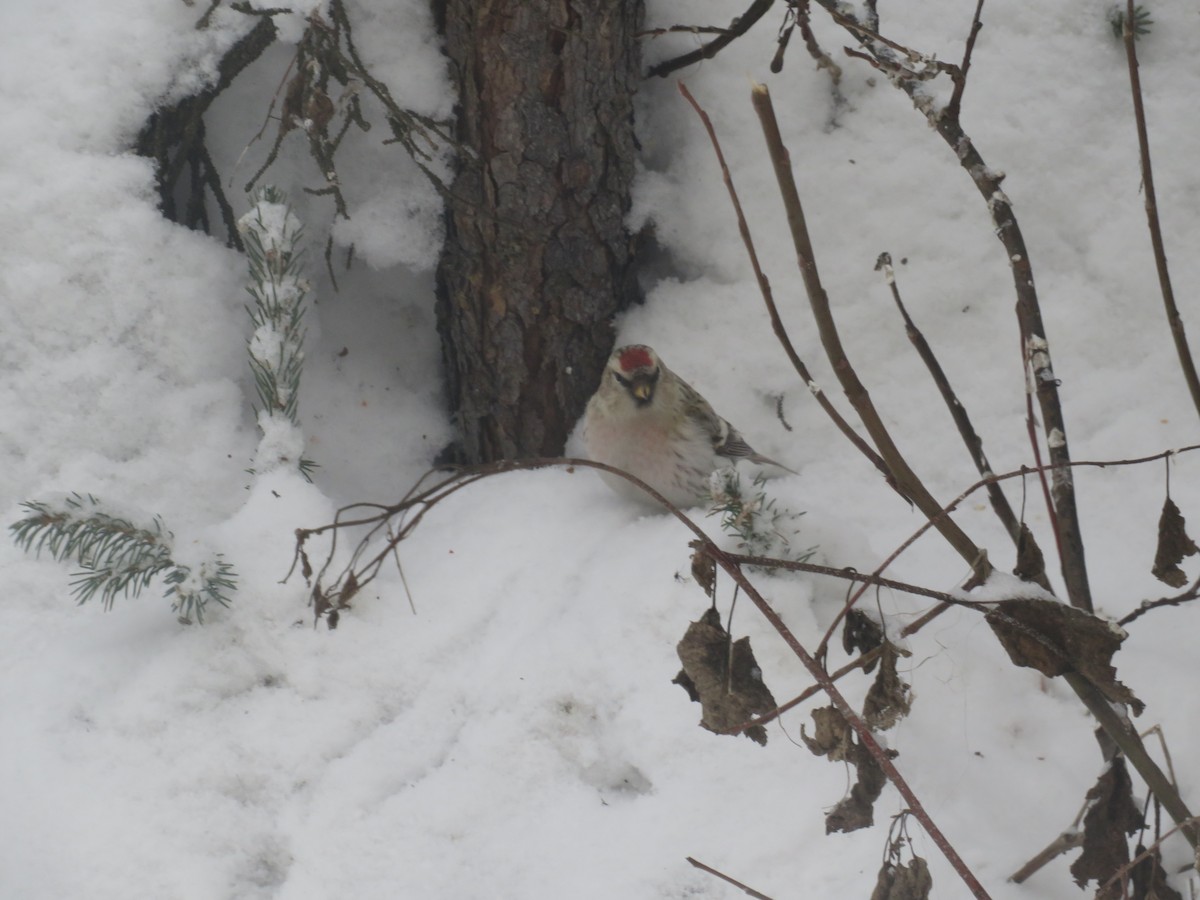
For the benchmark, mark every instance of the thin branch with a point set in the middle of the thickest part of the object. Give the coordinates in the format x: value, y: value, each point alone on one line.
x: 865, y: 736
x: 1064, y: 843
x: 1187, y: 596
x: 681, y: 29
x: 853, y: 575
x: 1000, y: 505
x: 736, y: 29
x: 737, y: 884
x: 1156, y: 239
x: 1035, y: 447
x: 764, y: 286
x: 1126, y: 870
x: 908, y: 482
x: 960, y: 79
x: 987, y: 181
x: 1118, y: 727
x: 858, y: 662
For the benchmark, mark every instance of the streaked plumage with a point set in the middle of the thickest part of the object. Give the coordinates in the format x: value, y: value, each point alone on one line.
x: 648, y: 421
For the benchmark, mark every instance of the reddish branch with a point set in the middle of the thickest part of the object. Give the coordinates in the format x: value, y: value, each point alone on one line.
x: 737, y: 884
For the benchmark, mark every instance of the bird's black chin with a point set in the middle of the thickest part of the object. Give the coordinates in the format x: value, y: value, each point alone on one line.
x: 641, y: 389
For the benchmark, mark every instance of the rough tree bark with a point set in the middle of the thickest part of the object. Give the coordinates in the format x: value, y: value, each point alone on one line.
x: 537, y: 259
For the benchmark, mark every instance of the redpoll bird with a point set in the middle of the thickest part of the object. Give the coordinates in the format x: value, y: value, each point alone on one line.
x: 648, y: 421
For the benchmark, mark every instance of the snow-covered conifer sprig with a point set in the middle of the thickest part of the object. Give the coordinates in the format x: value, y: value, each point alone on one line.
x: 117, y: 556
x: 273, y: 237
x: 762, y: 527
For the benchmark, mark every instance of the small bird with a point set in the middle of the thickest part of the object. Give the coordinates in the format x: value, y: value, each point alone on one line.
x: 647, y: 420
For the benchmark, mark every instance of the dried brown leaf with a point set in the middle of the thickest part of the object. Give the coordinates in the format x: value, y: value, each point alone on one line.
x: 1150, y: 879
x: 1055, y: 639
x: 728, y: 694
x: 857, y: 809
x: 910, y: 881
x: 704, y: 569
x: 889, y: 699
x: 1111, y: 817
x: 861, y: 633
x: 1173, y: 545
x: 1031, y: 565
x: 832, y: 735
x: 834, y: 738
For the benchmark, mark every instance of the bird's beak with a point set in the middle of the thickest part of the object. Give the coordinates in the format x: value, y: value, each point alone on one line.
x: 643, y: 390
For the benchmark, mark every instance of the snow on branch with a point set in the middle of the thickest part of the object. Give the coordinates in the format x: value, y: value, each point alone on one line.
x: 117, y: 556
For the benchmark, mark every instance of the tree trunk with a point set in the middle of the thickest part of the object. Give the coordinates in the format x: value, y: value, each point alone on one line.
x: 537, y: 259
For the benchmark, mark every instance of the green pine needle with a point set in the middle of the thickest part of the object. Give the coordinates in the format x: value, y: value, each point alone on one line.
x: 1142, y: 23
x: 762, y: 528
x: 117, y: 557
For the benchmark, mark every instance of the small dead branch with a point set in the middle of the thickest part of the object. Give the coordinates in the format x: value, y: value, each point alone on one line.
x: 823, y: 59
x: 772, y: 310
x: 1000, y: 505
x: 326, y: 52
x: 1155, y: 878
x: 908, y: 70
x: 739, y: 26
x: 907, y: 481
x: 733, y: 881
x: 864, y: 662
x: 960, y: 76
x: 1064, y: 843
x: 1182, y: 349
x: 174, y: 138
x: 1187, y: 596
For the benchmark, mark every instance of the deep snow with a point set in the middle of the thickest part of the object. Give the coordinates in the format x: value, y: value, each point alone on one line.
x: 519, y: 736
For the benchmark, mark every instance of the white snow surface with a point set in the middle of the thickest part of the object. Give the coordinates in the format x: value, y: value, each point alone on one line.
x: 519, y: 736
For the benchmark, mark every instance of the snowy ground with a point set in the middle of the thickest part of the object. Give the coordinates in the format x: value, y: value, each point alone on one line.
x: 519, y: 736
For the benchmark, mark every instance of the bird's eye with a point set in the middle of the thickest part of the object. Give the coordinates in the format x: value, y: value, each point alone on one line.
x: 624, y: 382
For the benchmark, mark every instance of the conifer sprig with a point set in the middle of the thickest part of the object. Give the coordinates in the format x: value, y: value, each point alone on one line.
x: 273, y: 238
x: 117, y: 556
x: 762, y: 528
x: 275, y: 254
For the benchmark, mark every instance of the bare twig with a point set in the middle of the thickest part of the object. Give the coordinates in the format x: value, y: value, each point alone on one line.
x: 1156, y: 239
x: 858, y: 662
x: 736, y: 29
x: 988, y: 181
x: 1192, y: 593
x: 770, y: 562
x: 1125, y: 871
x: 1064, y: 843
x: 769, y: 299
x: 960, y: 78
x: 1000, y: 505
x: 681, y: 29
x: 865, y: 736
x: 737, y: 884
x: 907, y: 481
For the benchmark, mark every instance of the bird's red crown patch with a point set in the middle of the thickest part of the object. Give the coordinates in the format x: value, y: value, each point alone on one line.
x: 635, y: 357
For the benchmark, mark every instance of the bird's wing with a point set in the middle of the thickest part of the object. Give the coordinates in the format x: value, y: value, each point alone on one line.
x: 729, y: 442
x: 734, y: 446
